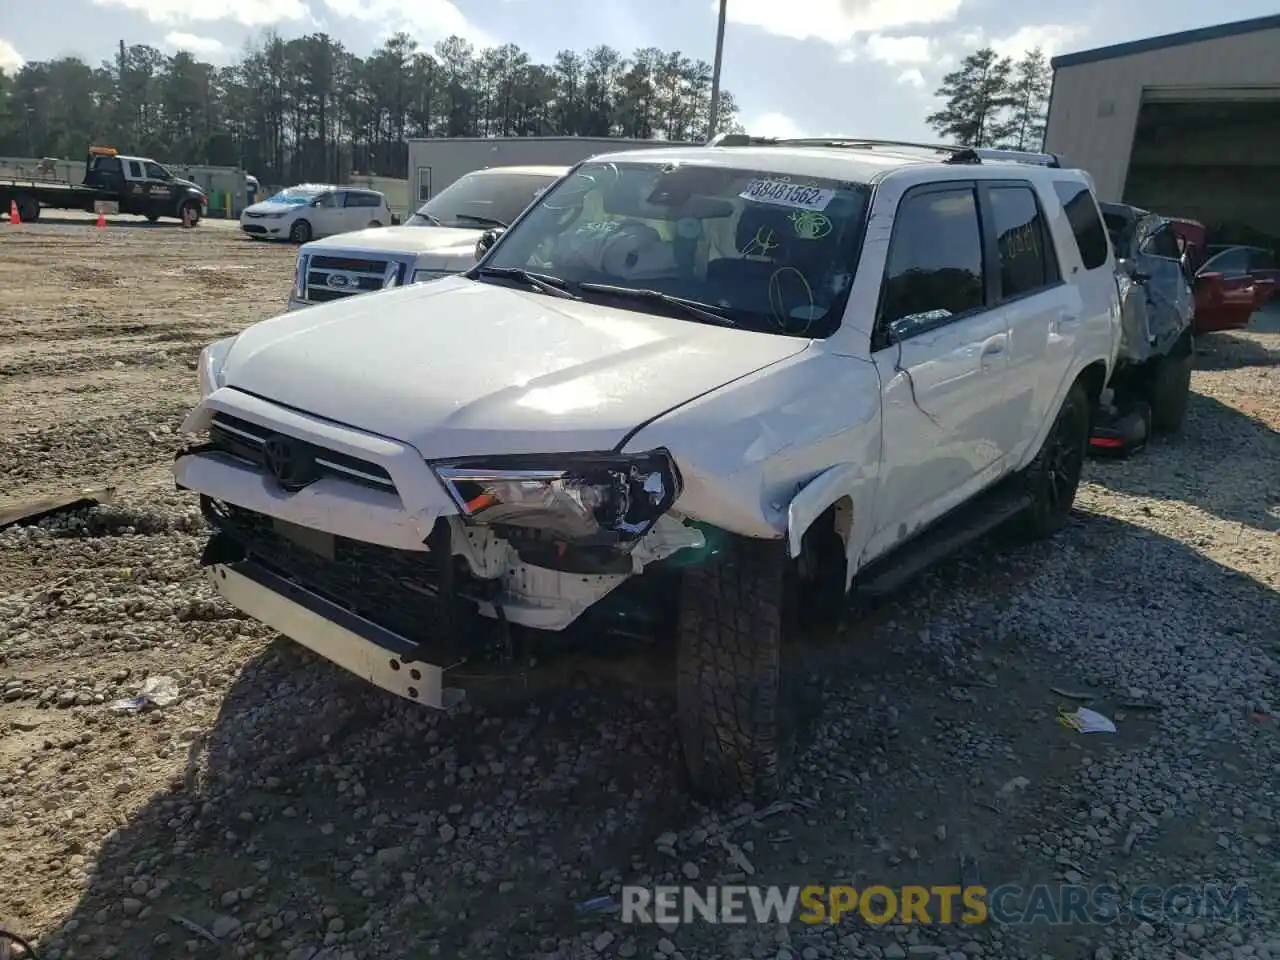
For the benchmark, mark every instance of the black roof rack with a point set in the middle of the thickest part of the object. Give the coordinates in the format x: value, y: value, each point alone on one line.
x: 955, y: 154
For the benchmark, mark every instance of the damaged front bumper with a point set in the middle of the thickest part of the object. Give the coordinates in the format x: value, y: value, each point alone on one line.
x: 360, y: 646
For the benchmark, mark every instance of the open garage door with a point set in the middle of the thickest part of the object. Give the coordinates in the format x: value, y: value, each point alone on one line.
x: 1213, y: 155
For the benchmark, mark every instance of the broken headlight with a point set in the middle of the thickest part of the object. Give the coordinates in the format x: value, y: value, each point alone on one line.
x: 586, y: 499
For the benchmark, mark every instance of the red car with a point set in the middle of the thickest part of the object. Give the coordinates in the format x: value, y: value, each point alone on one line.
x: 1231, y: 282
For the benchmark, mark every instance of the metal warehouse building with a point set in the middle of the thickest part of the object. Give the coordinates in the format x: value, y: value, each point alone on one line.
x: 436, y: 162
x: 1186, y: 124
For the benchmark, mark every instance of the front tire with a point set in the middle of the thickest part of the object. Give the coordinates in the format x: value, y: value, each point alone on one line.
x: 1170, y: 391
x: 300, y: 232
x: 1053, y: 477
x: 735, y: 728
x: 189, y: 209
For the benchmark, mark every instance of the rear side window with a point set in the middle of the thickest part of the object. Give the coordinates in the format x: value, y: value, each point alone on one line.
x: 363, y: 200
x: 1086, y: 223
x: 934, y: 267
x: 1028, y: 261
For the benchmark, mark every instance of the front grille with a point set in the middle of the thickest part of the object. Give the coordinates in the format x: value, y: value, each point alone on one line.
x: 397, y: 589
x: 333, y: 277
x: 244, y: 440
x: 253, y: 228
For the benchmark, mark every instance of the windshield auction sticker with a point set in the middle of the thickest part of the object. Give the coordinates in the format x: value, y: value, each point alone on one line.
x: 784, y: 193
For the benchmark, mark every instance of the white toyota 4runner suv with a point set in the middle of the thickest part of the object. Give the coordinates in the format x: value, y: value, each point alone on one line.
x: 762, y: 371
x: 445, y: 236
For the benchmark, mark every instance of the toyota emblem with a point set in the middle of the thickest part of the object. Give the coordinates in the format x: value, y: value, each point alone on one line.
x: 339, y: 281
x: 289, y: 461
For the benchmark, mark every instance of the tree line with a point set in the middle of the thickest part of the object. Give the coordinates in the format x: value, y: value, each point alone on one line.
x: 995, y: 101
x: 308, y: 109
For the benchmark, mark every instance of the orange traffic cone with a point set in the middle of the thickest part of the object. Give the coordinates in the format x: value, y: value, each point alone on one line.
x: 13, y: 213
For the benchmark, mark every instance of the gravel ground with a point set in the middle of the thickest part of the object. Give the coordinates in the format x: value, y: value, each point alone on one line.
x: 282, y: 809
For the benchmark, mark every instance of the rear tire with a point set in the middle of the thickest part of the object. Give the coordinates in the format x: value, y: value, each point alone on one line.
x: 28, y: 209
x: 736, y: 730
x: 1054, y: 475
x: 300, y: 232
x: 1170, y: 390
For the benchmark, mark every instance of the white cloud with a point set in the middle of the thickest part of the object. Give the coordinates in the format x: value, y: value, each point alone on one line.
x: 837, y: 21
x: 250, y: 13
x: 10, y: 60
x: 912, y: 78
x: 899, y: 50
x: 424, y: 20
x: 773, y: 125
x: 1049, y: 37
x: 193, y: 44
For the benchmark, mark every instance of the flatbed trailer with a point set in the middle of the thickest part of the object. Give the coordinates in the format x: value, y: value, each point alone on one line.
x: 137, y: 185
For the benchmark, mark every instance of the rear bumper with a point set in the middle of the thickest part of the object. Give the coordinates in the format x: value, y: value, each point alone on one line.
x: 373, y: 653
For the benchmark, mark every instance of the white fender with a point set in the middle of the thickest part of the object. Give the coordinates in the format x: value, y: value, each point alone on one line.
x: 819, y: 493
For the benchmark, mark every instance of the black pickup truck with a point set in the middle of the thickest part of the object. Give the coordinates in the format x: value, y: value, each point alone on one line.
x: 136, y: 184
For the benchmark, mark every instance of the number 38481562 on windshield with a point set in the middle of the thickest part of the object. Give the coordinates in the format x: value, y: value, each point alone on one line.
x: 787, y: 194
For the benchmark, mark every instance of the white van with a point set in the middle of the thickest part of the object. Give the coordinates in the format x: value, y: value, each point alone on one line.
x: 310, y: 210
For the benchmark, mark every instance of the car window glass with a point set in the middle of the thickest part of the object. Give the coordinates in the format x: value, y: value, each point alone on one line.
x: 771, y: 251
x: 1086, y: 224
x: 487, y: 195
x: 157, y: 172
x: 329, y: 200
x: 934, y: 267
x: 1233, y: 260
x: 1162, y: 243
x: 1262, y: 260
x: 1027, y: 260
x: 135, y: 170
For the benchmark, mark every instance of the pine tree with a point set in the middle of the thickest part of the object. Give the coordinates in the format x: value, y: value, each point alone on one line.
x: 1029, y: 88
x: 977, y: 96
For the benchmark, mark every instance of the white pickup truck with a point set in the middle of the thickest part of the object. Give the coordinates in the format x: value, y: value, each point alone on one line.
x: 444, y: 237
x: 753, y: 374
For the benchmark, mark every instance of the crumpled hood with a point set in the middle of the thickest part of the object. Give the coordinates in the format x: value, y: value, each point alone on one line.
x: 399, y: 240
x: 458, y: 367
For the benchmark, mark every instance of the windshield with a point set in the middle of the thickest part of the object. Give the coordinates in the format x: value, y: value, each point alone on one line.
x: 296, y: 195
x: 772, y: 252
x: 481, y: 200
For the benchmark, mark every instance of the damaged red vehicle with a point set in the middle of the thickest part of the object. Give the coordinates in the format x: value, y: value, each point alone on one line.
x: 1231, y: 282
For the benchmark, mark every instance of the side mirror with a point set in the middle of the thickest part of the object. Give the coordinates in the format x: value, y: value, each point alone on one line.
x: 487, y: 240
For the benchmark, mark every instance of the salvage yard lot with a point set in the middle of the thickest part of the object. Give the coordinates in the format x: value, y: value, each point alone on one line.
x: 286, y: 810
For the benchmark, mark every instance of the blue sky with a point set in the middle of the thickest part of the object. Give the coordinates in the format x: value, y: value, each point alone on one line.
x: 797, y: 66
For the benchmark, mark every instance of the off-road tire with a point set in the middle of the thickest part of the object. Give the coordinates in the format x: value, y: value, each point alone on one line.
x: 1053, y: 477
x: 300, y: 232
x: 735, y: 727
x: 1169, y: 391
